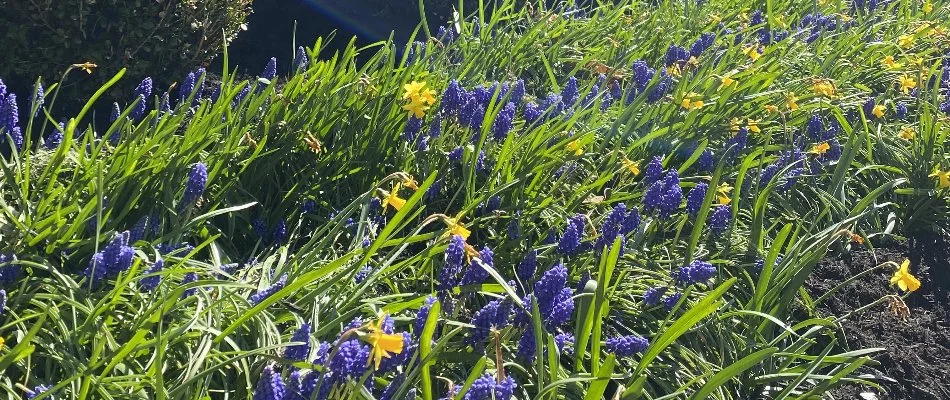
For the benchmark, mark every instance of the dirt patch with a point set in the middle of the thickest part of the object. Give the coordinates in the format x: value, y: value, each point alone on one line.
x: 918, y: 345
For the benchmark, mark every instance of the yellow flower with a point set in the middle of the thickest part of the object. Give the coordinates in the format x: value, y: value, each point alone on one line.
x: 752, y: 52
x: 907, y: 133
x: 907, y: 83
x: 690, y: 104
x: 906, y: 41
x: 392, y: 198
x: 904, y: 279
x: 456, y: 228
x: 890, y: 63
x: 753, y: 126
x: 928, y: 7
x: 1, y: 342
x: 575, y: 147
x: 381, y: 343
x: 722, y: 194
x: 857, y: 238
x: 878, y: 111
x: 770, y: 108
x: 780, y: 20
x: 820, y: 148
x: 692, y: 61
x: 413, y: 90
x: 728, y: 81
x: 312, y: 143
x: 86, y: 66
x: 734, y: 124
x: 673, y: 70
x: 631, y: 166
x: 943, y: 178
x: 824, y: 88
x: 416, y: 108
x: 792, y: 100
x: 715, y: 18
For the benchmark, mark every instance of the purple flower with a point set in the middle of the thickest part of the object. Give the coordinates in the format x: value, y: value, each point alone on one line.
x: 486, y: 388
x: 654, y: 170
x: 453, y: 98
x: 528, y: 267
x: 56, y: 137
x: 675, y: 54
x: 720, y: 219
x: 197, y: 181
x: 696, y: 272
x: 262, y: 295
x: 901, y: 110
x: 454, y: 256
x: 142, y: 92
x: 670, y: 301
x: 114, y: 114
x: 3, y: 300
x: 299, y: 352
x: 269, y: 386
x: 570, y: 93
x: 661, y: 88
x: 706, y: 161
x: 624, y: 346
x: 476, y: 274
x: 412, y: 128
x: 695, y: 198
x: 664, y: 197
x: 532, y: 112
x: 642, y: 75
x: 38, y: 390
x: 651, y: 296
x: 503, y: 122
x: 270, y: 70
x: 517, y: 92
x: 571, y: 242
x: 39, y: 96
x: 422, y: 315
x: 152, y: 276
x: 484, y: 320
x: 527, y: 345
x: 350, y: 360
x: 301, y: 61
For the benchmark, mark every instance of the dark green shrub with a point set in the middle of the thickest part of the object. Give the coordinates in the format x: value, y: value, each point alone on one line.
x: 158, y: 38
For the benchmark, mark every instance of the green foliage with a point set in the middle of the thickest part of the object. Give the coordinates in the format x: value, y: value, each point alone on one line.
x: 161, y: 39
x: 331, y: 138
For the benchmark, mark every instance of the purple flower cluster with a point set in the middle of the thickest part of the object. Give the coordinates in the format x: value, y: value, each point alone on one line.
x: 494, y: 315
x: 572, y: 241
x: 262, y: 295
x: 554, y: 299
x: 195, y: 186
x: 270, y: 386
x: 487, y: 388
x: 652, y: 296
x: 476, y: 273
x: 152, y: 276
x: 694, y: 201
x: 454, y: 257
x: 619, y: 222
x: 696, y: 272
x: 299, y: 352
x: 642, y: 75
x: 720, y: 219
x: 9, y: 118
x: 624, y: 346
x: 115, y: 258
x: 664, y: 197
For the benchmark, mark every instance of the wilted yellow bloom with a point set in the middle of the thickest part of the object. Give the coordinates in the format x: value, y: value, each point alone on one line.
x: 857, y: 238
x: 734, y: 124
x: 381, y: 343
x: 673, y: 70
x: 904, y: 279
x: 890, y: 63
x: 312, y: 143
x: 752, y: 52
x: 770, y: 108
x: 907, y: 133
x: 906, y: 41
x: 943, y: 178
x: 575, y: 147
x: 86, y: 66
x: 906, y: 83
x: 878, y: 111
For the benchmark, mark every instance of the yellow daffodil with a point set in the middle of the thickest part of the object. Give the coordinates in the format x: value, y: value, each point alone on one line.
x: 722, y: 194
x: 1, y: 342
x: 86, y: 66
x: 381, y: 343
x: 416, y: 108
x: 780, y: 20
x: 631, y: 166
x: 456, y: 228
x: 728, y: 81
x: 413, y: 90
x: 791, y: 100
x: 928, y: 7
x: 905, y: 41
x: 734, y: 124
x: 824, y: 88
x: 820, y: 148
x: 904, y: 279
x: 907, y: 133
x: 689, y: 103
x: 715, y: 18
x: 771, y: 109
x: 890, y: 63
x: 878, y: 111
x: 575, y: 147
x: 753, y: 126
x: 943, y: 178
x: 906, y: 83
x: 752, y: 52
x: 392, y: 198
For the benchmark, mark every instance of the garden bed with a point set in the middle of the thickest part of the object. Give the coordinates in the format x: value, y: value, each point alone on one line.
x: 917, y: 345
